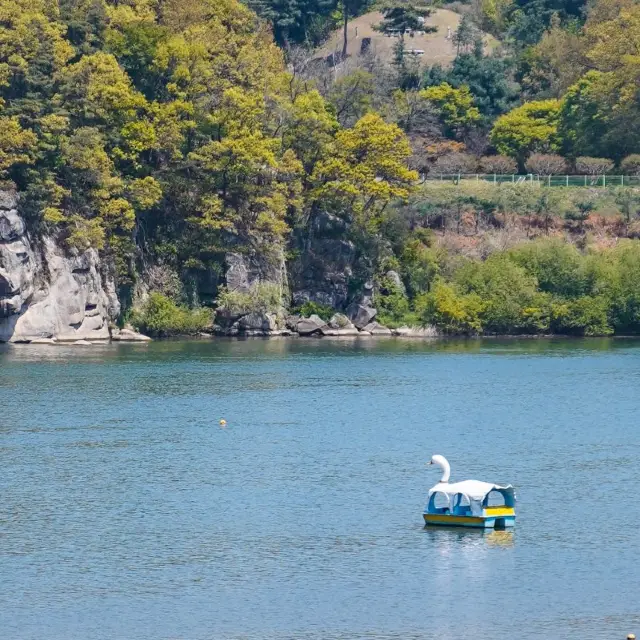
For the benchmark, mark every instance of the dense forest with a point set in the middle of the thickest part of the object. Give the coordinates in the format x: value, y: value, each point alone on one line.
x: 169, y: 133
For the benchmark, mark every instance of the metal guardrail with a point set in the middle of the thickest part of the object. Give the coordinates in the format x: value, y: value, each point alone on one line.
x: 602, y: 181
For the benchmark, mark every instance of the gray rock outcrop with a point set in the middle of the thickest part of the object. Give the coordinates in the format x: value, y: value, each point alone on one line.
x: 340, y: 326
x: 258, y: 322
x: 47, y: 293
x: 326, y: 263
x: 360, y: 315
x: 291, y: 322
x: 310, y: 326
x: 376, y: 329
x: 245, y: 273
x: 128, y: 335
x: 340, y: 321
x: 346, y: 332
x: 246, y: 270
x: 416, y: 332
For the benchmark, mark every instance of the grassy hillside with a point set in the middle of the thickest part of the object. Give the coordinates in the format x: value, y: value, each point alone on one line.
x: 436, y: 46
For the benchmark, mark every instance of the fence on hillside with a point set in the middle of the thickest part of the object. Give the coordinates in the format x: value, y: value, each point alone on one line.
x: 602, y: 181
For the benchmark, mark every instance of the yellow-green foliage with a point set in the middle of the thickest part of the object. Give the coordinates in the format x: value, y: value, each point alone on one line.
x: 455, y: 106
x: 596, y: 72
x: 365, y: 169
x: 262, y: 297
x: 160, y: 316
x: 542, y: 287
x: 450, y: 311
x: 494, y: 14
x: 16, y: 144
x: 533, y: 127
x: 176, y: 125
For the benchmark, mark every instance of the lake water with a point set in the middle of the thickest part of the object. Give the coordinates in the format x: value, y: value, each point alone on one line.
x: 128, y: 513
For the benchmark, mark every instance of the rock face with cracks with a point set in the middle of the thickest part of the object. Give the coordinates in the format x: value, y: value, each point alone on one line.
x: 44, y: 291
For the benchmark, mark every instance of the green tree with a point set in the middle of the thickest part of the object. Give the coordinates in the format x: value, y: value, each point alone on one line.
x: 455, y: 107
x: 584, y: 120
x: 557, y: 266
x: 248, y: 183
x: 366, y: 169
x: 298, y: 21
x: 533, y: 127
x: 466, y: 35
x: 450, y: 310
x: 351, y: 96
x: 600, y: 114
x: 87, y: 23
x: 17, y: 145
x: 512, y: 303
x: 310, y: 129
x: 399, y: 19
x: 488, y: 79
x: 528, y: 19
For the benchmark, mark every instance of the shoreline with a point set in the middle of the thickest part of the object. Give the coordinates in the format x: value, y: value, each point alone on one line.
x: 309, y: 338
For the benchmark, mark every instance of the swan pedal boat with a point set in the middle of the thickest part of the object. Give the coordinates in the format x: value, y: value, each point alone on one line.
x: 469, y: 503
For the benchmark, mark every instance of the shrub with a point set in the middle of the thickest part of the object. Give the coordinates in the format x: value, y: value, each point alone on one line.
x: 617, y: 277
x: 498, y: 164
x: 585, y: 316
x: 455, y: 163
x: 593, y: 166
x: 546, y: 164
x: 262, y: 297
x: 530, y: 128
x: 628, y: 202
x: 450, y: 311
x: 631, y: 165
x: 420, y: 261
x: 506, y: 289
x: 557, y: 266
x: 310, y: 308
x: 391, y: 301
x: 538, y: 287
x: 160, y: 316
x: 581, y: 210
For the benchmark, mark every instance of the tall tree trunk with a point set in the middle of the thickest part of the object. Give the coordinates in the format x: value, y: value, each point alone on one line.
x: 345, y: 40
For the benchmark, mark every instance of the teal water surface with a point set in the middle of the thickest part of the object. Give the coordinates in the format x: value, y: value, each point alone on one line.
x: 127, y: 512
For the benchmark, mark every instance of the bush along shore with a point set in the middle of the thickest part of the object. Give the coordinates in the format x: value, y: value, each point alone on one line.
x: 161, y: 317
x: 541, y: 287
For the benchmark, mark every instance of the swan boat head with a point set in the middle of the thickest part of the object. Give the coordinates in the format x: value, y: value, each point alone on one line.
x: 443, y: 463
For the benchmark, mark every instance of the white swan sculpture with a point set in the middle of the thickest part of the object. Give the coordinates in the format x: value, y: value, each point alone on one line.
x: 469, y: 503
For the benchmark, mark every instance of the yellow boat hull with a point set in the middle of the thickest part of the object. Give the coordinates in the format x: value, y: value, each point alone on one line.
x: 492, y: 518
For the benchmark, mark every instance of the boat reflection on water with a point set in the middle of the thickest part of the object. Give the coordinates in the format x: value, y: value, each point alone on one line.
x: 459, y: 557
x: 460, y: 540
x: 500, y: 539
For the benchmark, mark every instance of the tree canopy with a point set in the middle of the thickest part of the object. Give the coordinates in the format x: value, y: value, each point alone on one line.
x: 175, y: 126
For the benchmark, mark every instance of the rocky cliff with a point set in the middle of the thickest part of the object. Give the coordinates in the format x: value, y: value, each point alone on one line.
x: 49, y: 293
x: 46, y: 292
